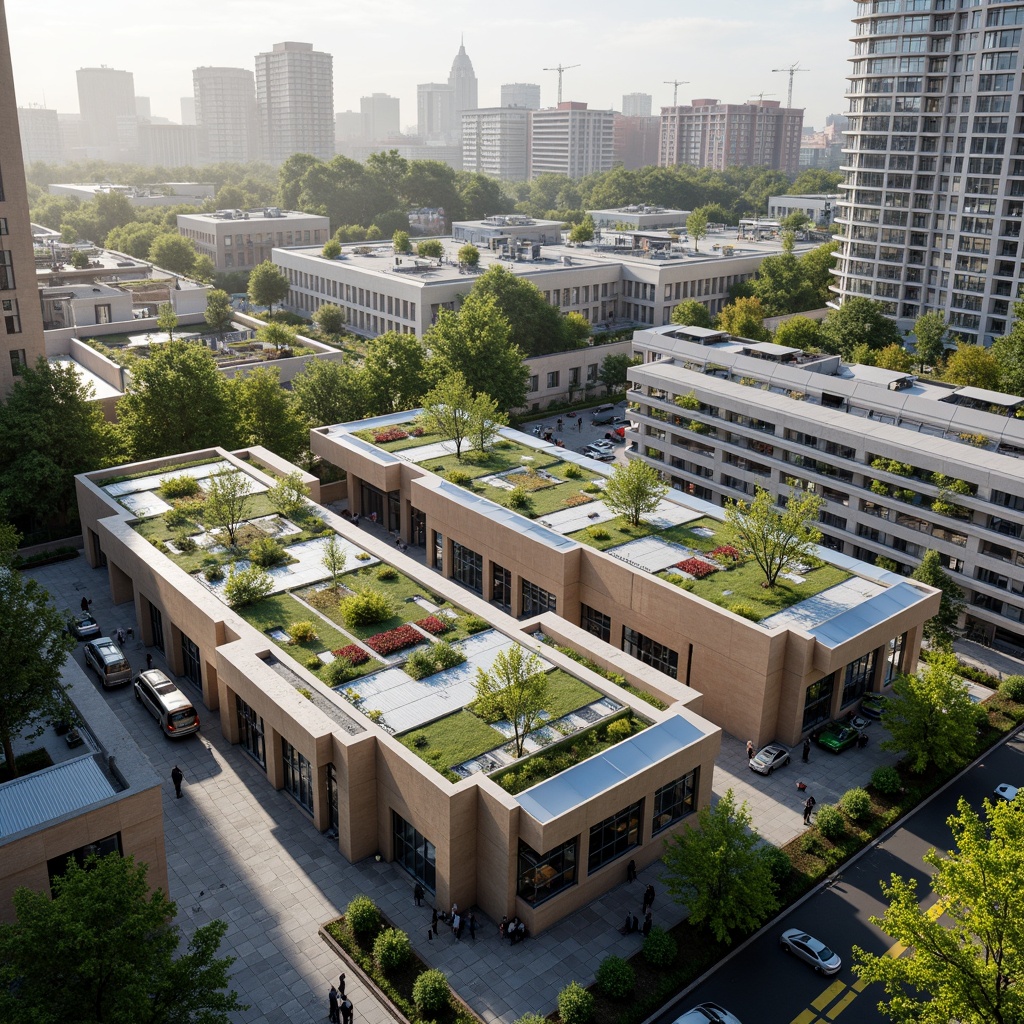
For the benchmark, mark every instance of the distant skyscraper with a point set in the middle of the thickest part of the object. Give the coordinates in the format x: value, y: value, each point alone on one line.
x: 636, y: 141
x: 225, y: 108
x: 435, y: 110
x: 21, y: 320
x: 40, y: 135
x: 379, y: 116
x: 636, y: 104
x: 295, y: 101
x: 521, y: 94
x: 168, y: 145
x: 494, y: 142
x: 348, y: 125
x: 106, y: 99
x: 142, y: 108
x: 462, y: 79
x: 188, y: 110
x: 570, y: 139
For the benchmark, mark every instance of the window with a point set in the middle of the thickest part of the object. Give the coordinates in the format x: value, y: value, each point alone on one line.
x: 553, y: 379
x: 250, y: 731
x: 102, y: 311
x: 191, y: 663
x: 592, y: 372
x: 6, y: 270
x: 542, y: 875
x: 858, y: 677
x: 414, y: 852
x: 894, y: 661
x: 536, y: 600
x: 56, y: 866
x: 156, y: 624
x: 298, y: 775
x: 615, y: 836
x: 3, y: 225
x: 332, y: 799
x: 501, y: 586
x: 12, y: 318
x: 596, y: 622
x: 650, y: 652
x: 468, y: 567
x: 533, y: 384
x: 574, y: 377
x: 675, y: 801
x: 818, y: 702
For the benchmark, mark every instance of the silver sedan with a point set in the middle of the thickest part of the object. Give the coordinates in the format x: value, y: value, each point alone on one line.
x: 767, y: 759
x: 808, y: 948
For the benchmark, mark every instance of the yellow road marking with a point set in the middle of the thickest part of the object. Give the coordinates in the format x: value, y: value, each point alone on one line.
x: 841, y: 1005
x: 828, y: 995
x: 805, y: 1017
x: 859, y: 985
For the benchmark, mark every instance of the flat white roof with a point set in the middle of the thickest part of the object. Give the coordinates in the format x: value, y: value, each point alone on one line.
x: 51, y: 793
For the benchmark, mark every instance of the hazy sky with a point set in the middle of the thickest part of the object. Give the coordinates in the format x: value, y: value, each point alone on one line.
x: 725, y: 49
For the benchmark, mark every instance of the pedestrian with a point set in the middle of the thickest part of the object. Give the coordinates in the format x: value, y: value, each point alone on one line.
x: 346, y: 1011
x: 807, y: 749
x: 634, y: 924
x: 559, y: 424
x: 631, y: 871
x: 750, y: 749
x: 456, y: 926
x: 433, y: 921
x: 176, y: 777
x: 332, y: 1005
x: 430, y: 935
x: 648, y: 899
x: 373, y: 518
x: 417, y: 894
x: 120, y: 636
x: 149, y: 660
x: 85, y: 604
x: 648, y: 924
x: 579, y: 424
x: 808, y: 808
x: 341, y: 985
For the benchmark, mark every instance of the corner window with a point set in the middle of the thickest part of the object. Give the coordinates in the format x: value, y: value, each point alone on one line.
x: 541, y: 876
x: 675, y: 801
x: 611, y: 838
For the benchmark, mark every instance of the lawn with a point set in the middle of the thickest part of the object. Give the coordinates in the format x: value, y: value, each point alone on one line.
x: 619, y: 532
x: 452, y: 740
x: 567, y: 693
x: 497, y: 460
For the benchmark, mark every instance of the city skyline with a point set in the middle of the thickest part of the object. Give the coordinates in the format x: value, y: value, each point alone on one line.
x: 392, y: 47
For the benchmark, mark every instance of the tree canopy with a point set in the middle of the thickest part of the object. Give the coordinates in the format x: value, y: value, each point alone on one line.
x: 1008, y: 353
x: 515, y: 689
x: 931, y: 330
x: 173, y: 252
x: 328, y: 392
x: 393, y: 373
x: 218, y: 311
x: 972, y: 366
x: 859, y: 320
x: 743, y: 318
x: 536, y: 326
x: 697, y: 226
x: 634, y: 490
x: 266, y: 414
x: 448, y: 410
x: 938, y: 630
x: 267, y: 285
x: 692, y: 313
x: 798, y: 332
x: 782, y: 285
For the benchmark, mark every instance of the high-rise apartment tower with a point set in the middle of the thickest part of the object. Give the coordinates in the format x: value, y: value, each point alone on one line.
x: 225, y: 108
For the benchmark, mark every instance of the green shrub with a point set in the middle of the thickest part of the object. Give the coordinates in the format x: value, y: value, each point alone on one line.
x: 304, y: 692
x: 856, y: 804
x: 575, y: 1004
x: 445, y: 655
x: 185, y: 543
x: 811, y: 843
x: 387, y: 573
x: 214, y: 573
x: 338, y: 672
x: 660, y: 948
x: 573, y: 472
x: 391, y: 949
x: 180, y: 516
x: 475, y: 624
x: 745, y: 611
x: 829, y: 820
x: 179, y: 487
x: 267, y: 552
x: 367, y: 607
x: 437, y: 656
x: 592, y: 488
x: 531, y: 1018
x: 886, y: 780
x: 1013, y: 687
x: 302, y: 632
x: 620, y: 729
x: 779, y: 864
x: 431, y: 993
x: 519, y: 500
x: 460, y: 477
x: 615, y: 978
x: 362, y: 915
x: 598, y: 533
x: 313, y: 663
x: 247, y: 587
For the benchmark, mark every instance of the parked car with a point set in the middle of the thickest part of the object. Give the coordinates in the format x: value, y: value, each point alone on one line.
x: 837, y: 737
x: 166, y: 703
x: 600, y: 454
x: 603, y: 414
x: 107, y: 660
x: 873, y: 705
x: 704, y: 1012
x: 1004, y: 791
x: 603, y: 445
x: 808, y: 948
x: 83, y: 626
x: 768, y: 758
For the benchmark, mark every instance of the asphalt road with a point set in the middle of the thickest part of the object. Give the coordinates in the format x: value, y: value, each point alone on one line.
x: 762, y: 985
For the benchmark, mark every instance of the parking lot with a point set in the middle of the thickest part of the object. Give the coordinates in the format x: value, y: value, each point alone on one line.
x: 577, y: 438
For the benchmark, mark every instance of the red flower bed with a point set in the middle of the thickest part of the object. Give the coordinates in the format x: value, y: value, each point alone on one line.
x: 417, y: 432
x: 433, y: 625
x: 391, y: 434
x: 726, y: 551
x: 394, y: 640
x: 696, y: 568
x: 353, y: 654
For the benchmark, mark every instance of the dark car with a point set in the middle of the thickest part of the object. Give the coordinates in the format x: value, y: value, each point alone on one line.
x: 767, y: 759
x: 873, y: 705
x: 837, y: 737
x: 603, y: 414
x: 83, y: 626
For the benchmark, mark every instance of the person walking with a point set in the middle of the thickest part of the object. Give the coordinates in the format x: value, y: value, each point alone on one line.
x: 433, y: 921
x: 417, y: 894
x: 85, y: 604
x: 341, y: 985
x: 120, y: 636
x: 648, y: 899
x: 579, y: 424
x: 750, y: 749
x: 149, y: 660
x: 346, y: 1011
x: 332, y: 1006
x: 457, y: 926
x: 631, y: 871
x: 177, y: 776
x: 808, y: 808
x: 807, y: 749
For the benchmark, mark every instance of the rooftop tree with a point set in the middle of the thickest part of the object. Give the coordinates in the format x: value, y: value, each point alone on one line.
x: 514, y: 689
x: 448, y: 410
x: 267, y: 285
x: 634, y: 490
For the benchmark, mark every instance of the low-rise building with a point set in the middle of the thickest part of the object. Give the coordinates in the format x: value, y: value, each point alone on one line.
x: 821, y: 208
x: 639, y: 217
x: 171, y: 193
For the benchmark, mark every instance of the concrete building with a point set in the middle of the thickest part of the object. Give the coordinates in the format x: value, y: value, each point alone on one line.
x: 348, y: 125
x: 225, y: 114
x: 709, y: 133
x: 295, y: 101
x: 933, y: 197
x: 21, y: 326
x: 352, y: 762
x: 495, y: 142
x: 521, y: 94
x: 413, y: 148
x: 636, y: 141
x: 168, y: 193
x: 572, y: 140
x: 462, y: 79
x: 636, y: 104
x: 168, y: 145
x: 639, y: 218
x: 627, y: 278
x: 379, y: 116
x: 240, y: 239
x: 819, y: 207
x: 71, y: 135
x: 904, y: 465
x: 40, y: 135
x: 106, y: 101
x: 188, y: 110
x: 822, y: 149
x: 84, y: 305
x: 435, y: 111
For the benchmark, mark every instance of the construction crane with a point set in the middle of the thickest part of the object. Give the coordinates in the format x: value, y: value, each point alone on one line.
x: 761, y: 96
x: 560, y: 69
x: 675, y: 90
x: 791, y: 71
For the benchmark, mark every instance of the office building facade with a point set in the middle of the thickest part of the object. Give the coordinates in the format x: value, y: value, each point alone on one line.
x: 521, y: 94
x: 225, y: 113
x: 379, y: 116
x: 637, y: 104
x: 934, y: 189
x: 495, y: 142
x: 40, y: 135
x: 106, y: 101
x: 571, y: 139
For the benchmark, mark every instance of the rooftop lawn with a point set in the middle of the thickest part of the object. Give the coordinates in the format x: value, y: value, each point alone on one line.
x: 405, y: 442
x: 618, y: 531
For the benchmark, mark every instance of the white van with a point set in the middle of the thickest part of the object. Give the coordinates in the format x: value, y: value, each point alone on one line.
x: 166, y: 703
x: 107, y: 660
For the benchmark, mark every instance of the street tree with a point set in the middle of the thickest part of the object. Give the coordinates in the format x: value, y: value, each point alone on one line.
x: 697, y: 225
x: 692, y: 313
x: 486, y: 421
x: 167, y: 319
x: 894, y: 357
x: 177, y: 401
x: 328, y: 392
x: 798, y: 332
x: 228, y: 501
x: 469, y: 254
x: 35, y: 644
x: 930, y: 717
x: 1008, y: 353
x: 536, y: 325
x: 777, y: 541
x: 634, y: 490
x: 858, y: 320
x: 965, y: 965
x: 514, y: 690
x: 105, y: 948
x: 334, y: 558
x: 448, y: 410
x: 931, y: 330
x: 476, y: 341
x: 330, y: 319
x: 614, y: 368
x: 972, y: 366
x: 51, y: 430
x: 218, y: 311
x: 720, y: 871
x: 781, y: 285
x: 392, y: 374
x: 744, y: 318
x: 173, y: 252
x: 204, y: 270
x: 938, y: 630
x: 265, y: 414
x: 267, y: 285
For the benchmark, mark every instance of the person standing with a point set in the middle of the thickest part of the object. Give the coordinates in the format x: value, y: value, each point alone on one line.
x: 648, y: 924
x: 750, y: 749
x: 177, y: 776
x: 807, y: 749
x: 332, y: 1006
x: 346, y: 1011
x: 433, y: 921
x: 341, y: 985
x: 808, y: 808
x: 648, y: 899
x: 417, y: 894
x: 579, y: 424
x: 457, y: 926
x: 631, y: 871
x: 85, y: 604
x: 149, y: 660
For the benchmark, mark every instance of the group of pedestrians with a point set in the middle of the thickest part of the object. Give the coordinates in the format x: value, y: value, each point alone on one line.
x: 339, y: 1006
x: 455, y: 920
x: 632, y: 923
